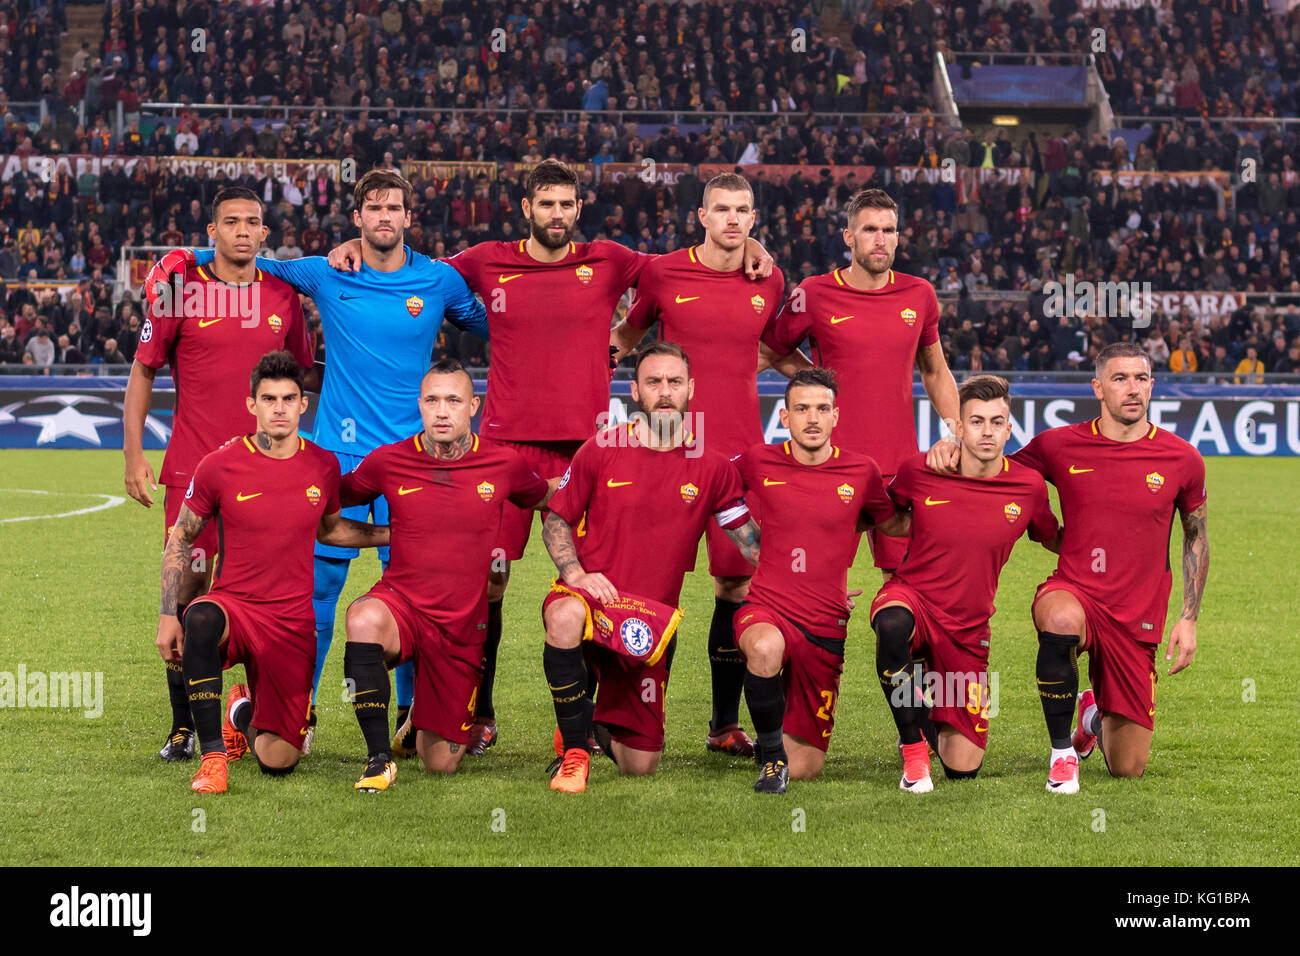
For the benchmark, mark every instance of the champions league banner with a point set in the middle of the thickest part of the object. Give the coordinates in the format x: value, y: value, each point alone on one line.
x: 1251, y: 420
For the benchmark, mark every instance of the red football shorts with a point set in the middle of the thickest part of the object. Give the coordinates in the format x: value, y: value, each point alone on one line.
x: 205, y: 546
x: 549, y: 459
x: 448, y: 668
x: 277, y: 646
x: 810, y: 673
x: 630, y: 695
x: 1121, y: 668
x: 955, y: 675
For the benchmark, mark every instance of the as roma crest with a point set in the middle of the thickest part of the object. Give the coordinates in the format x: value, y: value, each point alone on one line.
x: 413, y: 305
x: 313, y: 494
x: 486, y: 490
x: 689, y: 492
x: 845, y: 492
x: 758, y: 302
x: 1012, y: 511
x: 584, y: 274
x: 908, y: 316
x: 1155, y: 481
x: 274, y: 321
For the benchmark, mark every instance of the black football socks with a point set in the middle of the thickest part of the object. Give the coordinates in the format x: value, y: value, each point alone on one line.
x: 566, y: 677
x: 726, y: 667
x: 363, y: 666
x: 766, y: 699
x: 1057, y: 673
x: 483, y: 709
x: 201, y: 675
x: 898, y: 676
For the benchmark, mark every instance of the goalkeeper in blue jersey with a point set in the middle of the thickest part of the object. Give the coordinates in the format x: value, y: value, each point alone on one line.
x: 380, y: 325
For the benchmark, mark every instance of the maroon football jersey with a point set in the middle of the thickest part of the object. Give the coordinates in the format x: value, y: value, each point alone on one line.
x: 716, y: 317
x: 444, y: 518
x: 267, y: 511
x: 549, y: 374
x: 212, y: 341
x: 963, y: 530
x: 809, y: 517
x: 638, y: 514
x: 1118, y: 501
x: 870, y: 340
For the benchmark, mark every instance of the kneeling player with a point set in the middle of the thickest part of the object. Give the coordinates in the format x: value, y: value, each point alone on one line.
x: 446, y: 491
x: 814, y: 499
x: 935, y: 611
x: 640, y: 499
x: 273, y: 495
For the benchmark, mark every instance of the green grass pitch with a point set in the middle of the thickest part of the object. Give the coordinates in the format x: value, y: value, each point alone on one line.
x: 80, y: 594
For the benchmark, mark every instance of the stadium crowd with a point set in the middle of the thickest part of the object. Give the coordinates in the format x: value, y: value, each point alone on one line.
x: 1178, y: 235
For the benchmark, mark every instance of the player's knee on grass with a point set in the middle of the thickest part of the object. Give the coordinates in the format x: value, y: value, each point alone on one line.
x: 565, y: 621
x: 635, y: 763
x: 276, y: 757
x: 439, y: 754
x: 952, y: 774
x: 960, y: 756
x: 497, y: 581
x: 764, y: 649
x: 805, y: 760
x: 1126, y: 746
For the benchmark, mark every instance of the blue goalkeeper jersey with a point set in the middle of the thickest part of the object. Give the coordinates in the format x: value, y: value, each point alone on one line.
x: 380, y: 329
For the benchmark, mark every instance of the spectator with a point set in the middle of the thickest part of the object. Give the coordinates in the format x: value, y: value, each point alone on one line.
x: 40, y: 348
x: 1183, y: 359
x: 1248, y: 366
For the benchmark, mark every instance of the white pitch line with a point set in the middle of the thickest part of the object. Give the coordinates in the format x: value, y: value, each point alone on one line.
x: 110, y: 501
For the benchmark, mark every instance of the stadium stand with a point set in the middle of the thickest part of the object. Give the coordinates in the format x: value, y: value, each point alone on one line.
x: 463, y: 95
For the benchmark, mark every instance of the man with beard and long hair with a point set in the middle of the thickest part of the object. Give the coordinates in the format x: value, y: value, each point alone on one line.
x: 639, y: 496
x: 871, y: 326
x: 380, y: 326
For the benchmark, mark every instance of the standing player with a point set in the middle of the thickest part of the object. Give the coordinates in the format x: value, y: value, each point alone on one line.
x: 551, y: 302
x: 936, y: 609
x: 813, y: 501
x: 380, y: 326
x: 1121, y: 479
x: 639, y: 499
x: 447, y: 491
x: 270, y: 496
x: 706, y: 305
x: 210, y: 325
x: 871, y: 326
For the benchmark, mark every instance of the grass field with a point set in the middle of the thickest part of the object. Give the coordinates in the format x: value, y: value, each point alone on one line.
x: 81, y: 594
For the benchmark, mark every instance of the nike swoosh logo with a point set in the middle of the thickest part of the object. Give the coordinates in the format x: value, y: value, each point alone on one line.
x: 1050, y: 681
x: 837, y: 320
x: 1078, y: 471
x: 503, y: 279
x: 826, y: 733
x: 407, y: 491
x: 616, y: 484
x: 980, y: 730
x: 689, y: 298
x: 344, y: 297
x: 468, y: 726
x: 768, y: 482
x: 204, y: 323
x: 942, y: 501
x: 361, y: 692
x: 243, y: 497
x: 203, y: 680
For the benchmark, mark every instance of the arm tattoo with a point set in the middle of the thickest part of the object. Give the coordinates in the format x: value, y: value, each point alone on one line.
x: 558, y: 538
x: 176, y: 558
x: 746, y: 538
x: 453, y: 450
x: 1196, y: 561
x: 263, y: 440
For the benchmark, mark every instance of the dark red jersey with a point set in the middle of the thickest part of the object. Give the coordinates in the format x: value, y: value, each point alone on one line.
x: 444, y: 517
x: 549, y: 375
x: 212, y: 336
x: 963, y: 530
x: 638, y: 514
x: 267, y: 511
x: 716, y: 317
x: 870, y: 340
x: 1118, y: 501
x: 809, y: 517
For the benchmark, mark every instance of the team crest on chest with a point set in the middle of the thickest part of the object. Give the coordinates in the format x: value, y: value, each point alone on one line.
x: 1155, y: 481
x: 585, y: 274
x: 908, y: 316
x: 414, y: 305
x: 689, y: 492
x: 274, y: 321
x: 486, y: 490
x: 758, y: 302
x: 1012, y: 511
x: 845, y: 491
x: 313, y: 494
